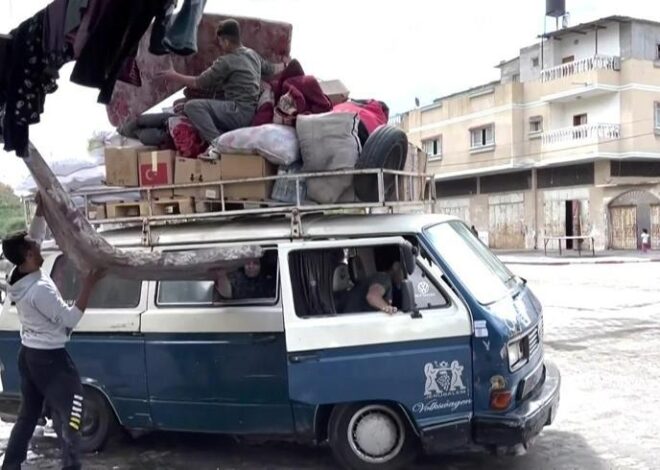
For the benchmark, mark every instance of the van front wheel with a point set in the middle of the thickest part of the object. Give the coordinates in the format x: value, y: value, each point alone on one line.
x: 371, y: 436
x: 99, y: 423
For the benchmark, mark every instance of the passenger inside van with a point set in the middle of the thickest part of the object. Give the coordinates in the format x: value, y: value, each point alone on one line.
x: 377, y: 292
x: 252, y: 281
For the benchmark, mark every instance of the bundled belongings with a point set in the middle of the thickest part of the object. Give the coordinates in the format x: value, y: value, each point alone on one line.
x: 328, y: 142
x: 291, y: 94
x: 277, y: 143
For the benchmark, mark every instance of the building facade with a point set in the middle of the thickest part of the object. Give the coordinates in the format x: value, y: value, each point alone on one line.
x: 566, y: 143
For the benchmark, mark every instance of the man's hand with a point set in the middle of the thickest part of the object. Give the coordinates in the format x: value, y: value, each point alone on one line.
x: 169, y: 74
x: 390, y: 309
x: 94, y: 276
x: 39, y: 211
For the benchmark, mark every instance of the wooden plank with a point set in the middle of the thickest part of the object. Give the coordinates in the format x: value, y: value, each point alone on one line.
x: 624, y: 228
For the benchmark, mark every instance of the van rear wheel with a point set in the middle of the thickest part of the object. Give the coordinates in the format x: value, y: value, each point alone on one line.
x: 372, y: 436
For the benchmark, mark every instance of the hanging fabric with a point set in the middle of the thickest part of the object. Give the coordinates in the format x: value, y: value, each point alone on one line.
x: 181, y: 36
x: 159, y: 29
x: 114, y: 39
x: 88, y: 250
x: 31, y: 75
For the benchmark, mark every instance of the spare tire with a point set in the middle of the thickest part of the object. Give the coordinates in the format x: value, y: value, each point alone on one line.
x: 386, y: 148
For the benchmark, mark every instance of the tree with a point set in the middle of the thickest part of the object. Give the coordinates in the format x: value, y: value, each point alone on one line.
x: 11, y: 212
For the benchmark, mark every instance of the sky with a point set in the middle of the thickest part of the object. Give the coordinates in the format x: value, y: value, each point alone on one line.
x: 392, y: 51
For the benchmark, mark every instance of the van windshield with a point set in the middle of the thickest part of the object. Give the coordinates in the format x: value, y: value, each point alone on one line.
x: 487, y: 278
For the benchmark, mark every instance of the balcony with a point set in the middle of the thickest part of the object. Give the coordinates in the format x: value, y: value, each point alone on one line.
x: 582, y: 135
x: 599, y: 62
x: 581, y: 79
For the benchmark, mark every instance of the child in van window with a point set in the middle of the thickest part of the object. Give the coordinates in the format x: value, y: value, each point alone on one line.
x: 646, y: 241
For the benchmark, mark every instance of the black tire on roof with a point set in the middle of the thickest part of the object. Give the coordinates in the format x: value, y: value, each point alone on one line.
x: 386, y: 148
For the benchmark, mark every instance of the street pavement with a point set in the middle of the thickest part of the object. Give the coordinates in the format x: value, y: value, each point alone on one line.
x: 602, y: 328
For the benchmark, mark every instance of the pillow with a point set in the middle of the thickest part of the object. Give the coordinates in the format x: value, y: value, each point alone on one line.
x: 276, y: 143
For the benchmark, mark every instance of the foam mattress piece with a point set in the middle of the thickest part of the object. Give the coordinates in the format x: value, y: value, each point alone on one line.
x: 270, y: 39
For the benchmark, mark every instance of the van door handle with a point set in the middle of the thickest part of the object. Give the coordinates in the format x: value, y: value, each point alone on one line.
x: 298, y: 358
x: 262, y: 339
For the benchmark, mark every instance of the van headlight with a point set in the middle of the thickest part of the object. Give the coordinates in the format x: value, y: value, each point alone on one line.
x: 516, y: 353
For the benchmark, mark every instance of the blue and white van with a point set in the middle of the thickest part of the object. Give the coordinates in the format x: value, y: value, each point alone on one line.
x: 462, y: 362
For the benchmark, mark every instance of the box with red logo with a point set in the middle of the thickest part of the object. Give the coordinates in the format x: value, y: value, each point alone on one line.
x: 156, y: 168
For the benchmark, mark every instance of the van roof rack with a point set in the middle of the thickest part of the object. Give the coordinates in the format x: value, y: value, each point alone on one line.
x: 410, y: 192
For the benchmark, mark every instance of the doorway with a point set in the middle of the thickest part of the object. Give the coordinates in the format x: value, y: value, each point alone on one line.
x: 572, y: 224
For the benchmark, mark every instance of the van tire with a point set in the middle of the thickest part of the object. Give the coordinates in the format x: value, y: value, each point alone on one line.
x: 350, y: 427
x: 99, y: 422
x: 386, y: 148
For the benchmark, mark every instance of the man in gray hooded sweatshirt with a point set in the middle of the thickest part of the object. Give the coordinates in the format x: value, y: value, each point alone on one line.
x: 46, y: 369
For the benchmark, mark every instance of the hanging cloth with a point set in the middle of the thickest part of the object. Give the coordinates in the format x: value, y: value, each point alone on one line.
x: 114, y: 38
x: 181, y: 36
x: 88, y: 250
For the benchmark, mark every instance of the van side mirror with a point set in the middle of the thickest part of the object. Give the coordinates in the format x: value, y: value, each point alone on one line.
x: 408, y: 304
x: 408, y: 258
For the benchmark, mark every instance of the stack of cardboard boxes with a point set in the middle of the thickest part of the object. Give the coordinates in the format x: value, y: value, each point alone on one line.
x: 152, y: 171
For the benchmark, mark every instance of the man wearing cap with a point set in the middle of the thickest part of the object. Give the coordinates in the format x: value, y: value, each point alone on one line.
x: 46, y: 370
x: 235, y: 76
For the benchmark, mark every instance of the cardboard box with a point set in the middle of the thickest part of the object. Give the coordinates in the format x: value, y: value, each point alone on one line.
x: 335, y: 90
x: 193, y: 170
x: 156, y: 168
x: 121, y: 210
x: 96, y: 212
x: 236, y: 167
x: 176, y: 206
x: 121, y: 166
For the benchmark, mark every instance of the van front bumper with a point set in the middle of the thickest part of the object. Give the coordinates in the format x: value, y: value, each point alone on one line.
x: 521, y: 425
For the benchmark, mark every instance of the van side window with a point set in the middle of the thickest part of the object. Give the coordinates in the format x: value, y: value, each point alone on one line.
x: 110, y: 292
x: 355, y: 280
x: 254, y: 282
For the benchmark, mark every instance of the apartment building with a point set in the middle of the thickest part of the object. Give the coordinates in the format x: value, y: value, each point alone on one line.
x: 566, y: 143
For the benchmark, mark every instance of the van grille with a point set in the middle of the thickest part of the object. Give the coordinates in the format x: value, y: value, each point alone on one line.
x: 533, y: 340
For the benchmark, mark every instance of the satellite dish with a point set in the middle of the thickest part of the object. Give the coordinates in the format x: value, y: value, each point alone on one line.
x: 565, y: 20
x: 417, y: 102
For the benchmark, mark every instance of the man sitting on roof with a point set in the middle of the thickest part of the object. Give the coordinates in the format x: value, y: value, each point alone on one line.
x: 236, y: 77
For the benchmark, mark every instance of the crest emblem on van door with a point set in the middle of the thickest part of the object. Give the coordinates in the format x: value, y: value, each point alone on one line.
x: 443, y: 379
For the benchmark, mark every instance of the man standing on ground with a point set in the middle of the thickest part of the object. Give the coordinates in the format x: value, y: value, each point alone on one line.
x: 46, y: 369
x: 235, y: 77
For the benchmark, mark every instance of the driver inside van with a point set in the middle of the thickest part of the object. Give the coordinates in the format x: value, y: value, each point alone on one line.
x: 376, y: 293
x: 249, y: 282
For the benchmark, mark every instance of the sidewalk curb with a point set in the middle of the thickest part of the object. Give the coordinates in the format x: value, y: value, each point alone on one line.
x: 576, y: 262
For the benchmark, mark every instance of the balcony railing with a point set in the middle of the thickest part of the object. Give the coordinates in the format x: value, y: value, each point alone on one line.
x: 599, y: 62
x: 585, y: 133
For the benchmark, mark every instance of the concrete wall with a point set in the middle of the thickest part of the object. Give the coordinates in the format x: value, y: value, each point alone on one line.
x: 527, y: 70
x: 644, y: 40
x: 582, y: 46
x: 599, y: 109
